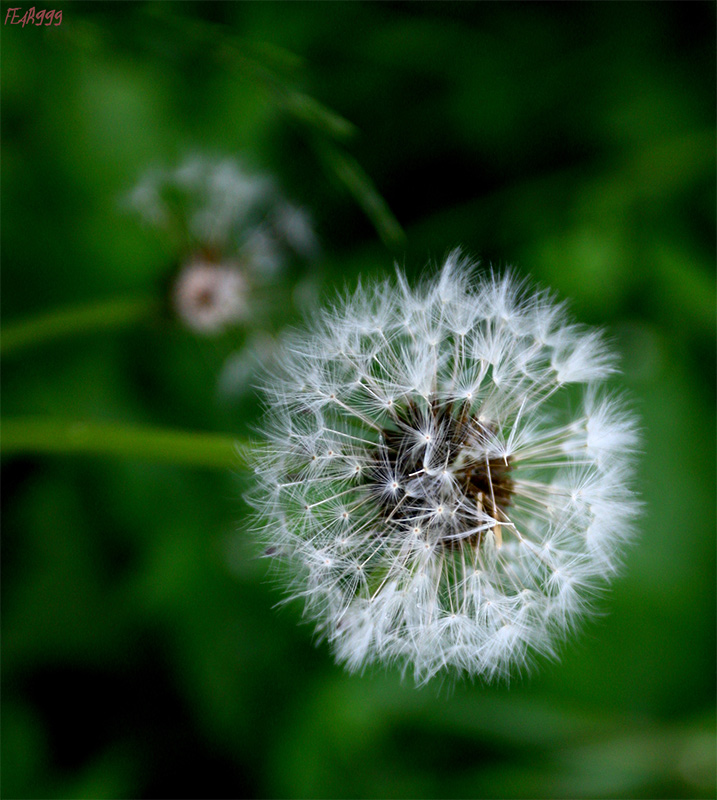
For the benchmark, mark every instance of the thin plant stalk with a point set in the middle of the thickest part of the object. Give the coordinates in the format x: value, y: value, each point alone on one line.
x: 38, y: 435
x: 74, y: 321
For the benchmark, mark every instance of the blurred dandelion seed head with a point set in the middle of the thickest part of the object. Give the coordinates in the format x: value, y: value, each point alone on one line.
x: 216, y: 212
x: 434, y: 499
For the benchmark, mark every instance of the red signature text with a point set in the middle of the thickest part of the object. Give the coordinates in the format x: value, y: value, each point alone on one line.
x: 15, y: 16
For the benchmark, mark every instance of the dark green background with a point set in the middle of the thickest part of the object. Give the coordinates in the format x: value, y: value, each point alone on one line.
x: 141, y: 653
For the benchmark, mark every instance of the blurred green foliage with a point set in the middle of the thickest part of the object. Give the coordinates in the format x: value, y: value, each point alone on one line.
x: 142, y: 655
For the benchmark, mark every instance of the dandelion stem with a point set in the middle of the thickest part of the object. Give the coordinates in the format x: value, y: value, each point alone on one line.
x: 103, y: 315
x: 63, y: 437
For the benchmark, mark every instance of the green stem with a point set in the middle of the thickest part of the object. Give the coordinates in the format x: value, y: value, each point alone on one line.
x: 53, y: 325
x: 48, y: 435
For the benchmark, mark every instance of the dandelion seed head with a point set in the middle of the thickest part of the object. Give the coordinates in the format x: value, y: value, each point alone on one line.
x: 218, y: 204
x: 464, y: 516
x: 216, y: 213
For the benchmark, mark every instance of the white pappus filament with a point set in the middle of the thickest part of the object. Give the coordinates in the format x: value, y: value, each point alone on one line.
x: 436, y: 502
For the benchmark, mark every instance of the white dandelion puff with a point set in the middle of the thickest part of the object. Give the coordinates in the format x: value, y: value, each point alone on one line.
x: 216, y: 207
x: 232, y: 231
x: 436, y: 504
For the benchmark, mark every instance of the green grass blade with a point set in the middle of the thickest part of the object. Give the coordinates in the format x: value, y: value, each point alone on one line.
x: 348, y: 171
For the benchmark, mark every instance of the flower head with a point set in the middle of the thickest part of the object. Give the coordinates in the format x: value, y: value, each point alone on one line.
x: 233, y: 231
x: 217, y: 207
x: 435, y: 499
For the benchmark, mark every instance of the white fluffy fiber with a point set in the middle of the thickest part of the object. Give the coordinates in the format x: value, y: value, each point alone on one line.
x: 217, y: 204
x: 411, y: 567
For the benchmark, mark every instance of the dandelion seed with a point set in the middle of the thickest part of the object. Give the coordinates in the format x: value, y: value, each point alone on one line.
x: 483, y: 514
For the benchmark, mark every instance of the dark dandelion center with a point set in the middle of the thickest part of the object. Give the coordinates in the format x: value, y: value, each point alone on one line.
x: 443, y: 487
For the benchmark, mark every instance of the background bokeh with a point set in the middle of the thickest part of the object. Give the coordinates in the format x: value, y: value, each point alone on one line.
x: 142, y: 655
